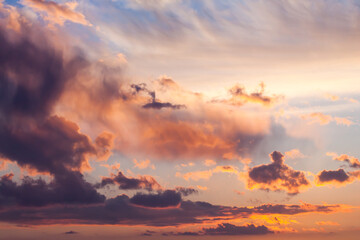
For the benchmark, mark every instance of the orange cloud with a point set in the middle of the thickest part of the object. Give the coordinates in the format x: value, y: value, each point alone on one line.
x: 331, y: 97
x: 323, y: 119
x: 327, y: 223
x: 343, y: 121
x: 352, y: 161
x: 318, y: 117
x: 294, y: 153
x: 209, y: 162
x: 196, y: 176
x: 143, y: 164
x: 57, y: 13
x: 240, y: 97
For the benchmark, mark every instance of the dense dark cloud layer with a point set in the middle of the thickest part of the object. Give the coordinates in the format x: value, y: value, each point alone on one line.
x: 277, y: 176
x: 230, y: 229
x: 52, y: 145
x: 67, y: 188
x: 168, y: 198
x: 126, y: 183
x: 32, y: 76
x: 120, y: 210
x: 225, y: 229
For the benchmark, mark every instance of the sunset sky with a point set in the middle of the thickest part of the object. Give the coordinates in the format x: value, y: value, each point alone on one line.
x: 179, y: 119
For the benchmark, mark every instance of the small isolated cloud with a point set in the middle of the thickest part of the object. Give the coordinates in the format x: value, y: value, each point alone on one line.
x: 336, y: 177
x: 322, y: 119
x: 294, y: 154
x: 317, y: 117
x: 127, y: 183
x: 277, y: 176
x: 71, y: 232
x: 209, y: 162
x: 343, y: 121
x: 143, y: 164
x: 331, y: 97
x: 148, y: 233
x: 205, y: 175
x: 327, y: 223
x: 239, y: 96
x: 350, y: 160
x: 203, y: 188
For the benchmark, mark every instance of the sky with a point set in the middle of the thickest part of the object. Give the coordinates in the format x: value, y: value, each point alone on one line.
x: 179, y: 119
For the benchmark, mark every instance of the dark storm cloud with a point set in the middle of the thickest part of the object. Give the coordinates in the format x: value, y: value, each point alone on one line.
x: 52, y: 145
x: 338, y: 175
x: 120, y: 210
x: 168, y: 198
x: 126, y: 183
x: 277, y: 176
x: 32, y: 76
x: 67, y: 188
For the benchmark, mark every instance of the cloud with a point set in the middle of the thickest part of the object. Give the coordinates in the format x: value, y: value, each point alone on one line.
x: 71, y: 232
x: 57, y: 13
x: 318, y: 117
x: 240, y: 97
x: 337, y: 177
x: 331, y: 97
x: 168, y: 198
x: 293, y: 154
x: 143, y: 164
x: 209, y: 162
x: 322, y: 119
x: 120, y: 211
x: 67, y: 188
x: 126, y: 183
x: 327, y: 223
x: 350, y: 160
x: 277, y: 176
x: 230, y: 229
x: 154, y: 103
x: 197, y: 175
x: 186, y: 191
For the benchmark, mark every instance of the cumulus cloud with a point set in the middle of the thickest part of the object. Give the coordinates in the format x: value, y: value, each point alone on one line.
x: 337, y: 177
x: 277, y: 176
